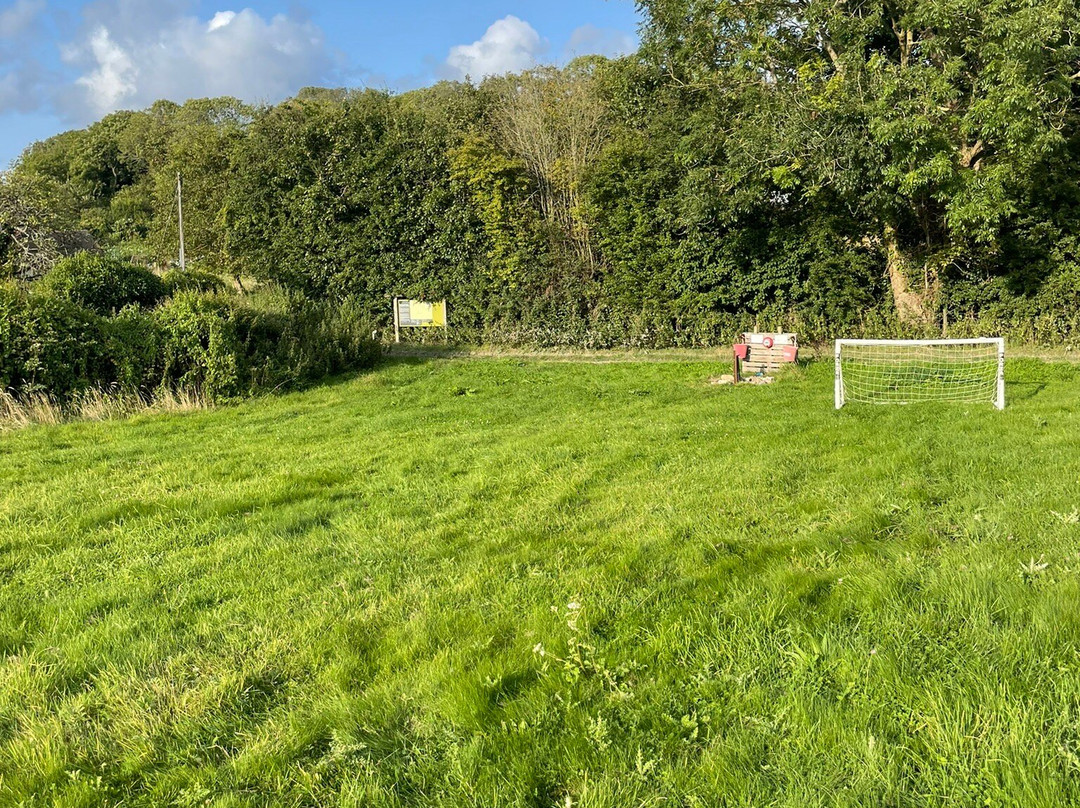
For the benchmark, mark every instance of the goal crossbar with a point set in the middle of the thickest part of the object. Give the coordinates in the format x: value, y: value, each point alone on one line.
x: 905, y: 371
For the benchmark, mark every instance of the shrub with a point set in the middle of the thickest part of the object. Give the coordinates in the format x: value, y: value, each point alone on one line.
x: 201, y: 346
x: 213, y: 344
x: 134, y: 342
x: 1059, y: 307
x: 322, y: 339
x: 12, y: 337
x: 48, y: 344
x: 291, y: 340
x: 192, y: 280
x: 102, y: 283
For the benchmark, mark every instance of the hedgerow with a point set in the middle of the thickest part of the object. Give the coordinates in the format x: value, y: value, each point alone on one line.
x: 221, y: 345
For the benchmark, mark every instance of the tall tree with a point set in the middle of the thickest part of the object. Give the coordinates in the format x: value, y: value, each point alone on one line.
x: 28, y: 230
x: 202, y: 136
x: 556, y: 123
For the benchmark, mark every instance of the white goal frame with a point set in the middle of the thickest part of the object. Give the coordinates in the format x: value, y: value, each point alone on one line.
x: 998, y: 399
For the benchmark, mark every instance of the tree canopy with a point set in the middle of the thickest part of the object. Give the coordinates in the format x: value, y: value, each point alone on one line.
x: 830, y: 166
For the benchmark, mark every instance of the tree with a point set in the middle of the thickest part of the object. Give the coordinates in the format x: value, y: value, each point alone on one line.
x: 556, y: 123
x: 929, y: 119
x: 349, y: 197
x: 28, y: 231
x: 202, y: 136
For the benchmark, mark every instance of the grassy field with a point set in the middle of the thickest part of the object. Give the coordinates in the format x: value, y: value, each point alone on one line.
x: 496, y: 582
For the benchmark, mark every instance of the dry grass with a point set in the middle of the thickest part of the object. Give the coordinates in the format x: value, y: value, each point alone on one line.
x: 23, y: 411
x: 18, y: 411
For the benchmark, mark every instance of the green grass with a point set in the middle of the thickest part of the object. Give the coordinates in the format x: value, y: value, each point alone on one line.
x: 506, y: 582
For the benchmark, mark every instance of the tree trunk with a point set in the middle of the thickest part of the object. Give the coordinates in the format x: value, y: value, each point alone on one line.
x: 911, y: 307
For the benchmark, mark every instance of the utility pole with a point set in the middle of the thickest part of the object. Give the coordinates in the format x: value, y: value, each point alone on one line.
x: 180, y: 211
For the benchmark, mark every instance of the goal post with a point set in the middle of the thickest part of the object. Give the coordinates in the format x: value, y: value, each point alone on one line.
x: 907, y: 371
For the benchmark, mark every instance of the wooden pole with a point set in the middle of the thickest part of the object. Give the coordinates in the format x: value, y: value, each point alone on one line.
x: 180, y: 216
x: 397, y: 323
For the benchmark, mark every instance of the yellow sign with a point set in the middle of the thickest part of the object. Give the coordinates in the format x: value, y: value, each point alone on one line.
x: 421, y: 313
x: 418, y: 314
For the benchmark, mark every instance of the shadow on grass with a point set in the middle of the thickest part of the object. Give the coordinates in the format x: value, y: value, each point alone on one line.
x: 1023, y: 391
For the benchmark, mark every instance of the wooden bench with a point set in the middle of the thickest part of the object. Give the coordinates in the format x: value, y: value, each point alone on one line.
x: 760, y: 354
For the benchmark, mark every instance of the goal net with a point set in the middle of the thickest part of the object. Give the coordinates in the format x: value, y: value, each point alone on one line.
x: 883, y: 371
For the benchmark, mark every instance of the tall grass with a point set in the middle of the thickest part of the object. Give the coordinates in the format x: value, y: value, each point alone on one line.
x: 94, y: 404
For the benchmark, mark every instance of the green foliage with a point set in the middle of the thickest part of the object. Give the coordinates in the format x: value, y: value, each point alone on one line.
x: 321, y: 340
x: 499, y: 188
x: 934, y: 124
x: 102, y: 283
x: 349, y: 197
x: 48, y: 344
x: 28, y: 230
x: 192, y: 280
x: 135, y: 344
x: 833, y: 168
x: 203, y: 136
x: 201, y: 345
x: 12, y: 344
x: 225, y: 347
x: 219, y: 346
x: 291, y: 340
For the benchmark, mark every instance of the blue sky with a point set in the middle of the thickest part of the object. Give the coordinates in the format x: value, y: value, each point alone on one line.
x: 65, y: 63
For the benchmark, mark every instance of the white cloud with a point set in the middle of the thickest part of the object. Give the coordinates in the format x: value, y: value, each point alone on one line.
x: 129, y: 60
x: 114, y: 78
x: 589, y: 39
x: 129, y: 53
x: 221, y: 19
x: 509, y: 45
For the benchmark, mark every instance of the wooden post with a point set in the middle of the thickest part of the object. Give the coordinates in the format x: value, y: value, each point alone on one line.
x: 397, y: 323
x: 735, y: 354
x: 180, y: 216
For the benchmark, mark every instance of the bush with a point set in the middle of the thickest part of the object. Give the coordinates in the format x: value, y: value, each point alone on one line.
x: 192, y: 280
x: 48, y: 344
x: 134, y: 342
x: 1059, y: 307
x: 322, y: 339
x: 102, y: 283
x: 201, y: 347
x: 226, y: 348
x: 1046, y: 313
x: 12, y: 306
x: 213, y: 344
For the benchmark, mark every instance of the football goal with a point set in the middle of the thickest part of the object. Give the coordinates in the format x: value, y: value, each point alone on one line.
x: 906, y: 371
